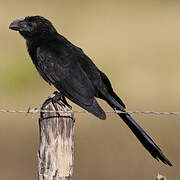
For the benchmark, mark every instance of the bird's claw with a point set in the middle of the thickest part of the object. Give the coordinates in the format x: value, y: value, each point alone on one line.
x: 55, y: 98
x: 59, y: 96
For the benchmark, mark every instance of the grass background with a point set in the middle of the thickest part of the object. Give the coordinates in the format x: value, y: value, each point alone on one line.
x: 136, y: 43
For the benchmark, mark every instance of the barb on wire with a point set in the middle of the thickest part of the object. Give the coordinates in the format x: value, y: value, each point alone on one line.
x: 34, y: 111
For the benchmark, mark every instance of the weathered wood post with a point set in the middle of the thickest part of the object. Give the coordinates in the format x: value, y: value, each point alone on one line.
x: 55, y: 157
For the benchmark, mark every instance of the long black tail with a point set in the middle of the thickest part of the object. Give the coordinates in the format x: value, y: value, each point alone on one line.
x: 115, y: 102
x: 143, y: 137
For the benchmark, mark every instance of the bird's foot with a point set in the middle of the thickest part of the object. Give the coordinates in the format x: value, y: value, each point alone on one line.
x: 57, y: 97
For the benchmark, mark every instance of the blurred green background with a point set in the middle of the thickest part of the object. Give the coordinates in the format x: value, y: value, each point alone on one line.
x: 137, y: 44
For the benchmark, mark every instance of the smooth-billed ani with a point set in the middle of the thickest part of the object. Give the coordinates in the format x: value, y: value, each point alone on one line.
x: 73, y: 73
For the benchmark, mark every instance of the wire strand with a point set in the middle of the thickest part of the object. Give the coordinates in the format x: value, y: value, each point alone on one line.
x: 34, y: 111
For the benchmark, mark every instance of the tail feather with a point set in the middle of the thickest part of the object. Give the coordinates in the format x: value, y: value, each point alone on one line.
x: 139, y: 132
x: 116, y: 103
x: 144, y: 138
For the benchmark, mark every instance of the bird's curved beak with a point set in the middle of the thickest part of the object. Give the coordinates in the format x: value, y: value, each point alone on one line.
x: 16, y: 25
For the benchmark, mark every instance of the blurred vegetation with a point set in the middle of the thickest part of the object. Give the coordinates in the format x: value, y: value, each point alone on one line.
x: 136, y: 43
x: 160, y: 177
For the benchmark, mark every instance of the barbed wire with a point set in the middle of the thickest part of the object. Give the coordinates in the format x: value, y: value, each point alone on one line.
x: 34, y: 111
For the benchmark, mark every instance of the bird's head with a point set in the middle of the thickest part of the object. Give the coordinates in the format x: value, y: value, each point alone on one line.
x: 32, y: 26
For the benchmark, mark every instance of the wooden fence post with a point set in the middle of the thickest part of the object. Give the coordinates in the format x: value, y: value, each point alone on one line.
x: 55, y: 156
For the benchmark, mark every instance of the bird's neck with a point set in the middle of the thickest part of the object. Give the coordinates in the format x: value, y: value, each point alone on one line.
x: 41, y: 37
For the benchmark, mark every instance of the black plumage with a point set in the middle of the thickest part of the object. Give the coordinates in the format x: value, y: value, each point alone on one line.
x: 73, y: 73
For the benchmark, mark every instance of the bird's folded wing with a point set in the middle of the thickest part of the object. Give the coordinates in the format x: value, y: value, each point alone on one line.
x: 65, y: 73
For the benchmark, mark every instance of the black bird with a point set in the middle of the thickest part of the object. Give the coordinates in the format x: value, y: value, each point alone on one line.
x: 73, y: 73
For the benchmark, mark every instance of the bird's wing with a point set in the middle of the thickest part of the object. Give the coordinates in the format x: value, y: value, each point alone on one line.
x: 66, y: 74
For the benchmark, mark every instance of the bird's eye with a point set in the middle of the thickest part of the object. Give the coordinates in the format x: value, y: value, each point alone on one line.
x: 30, y: 24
